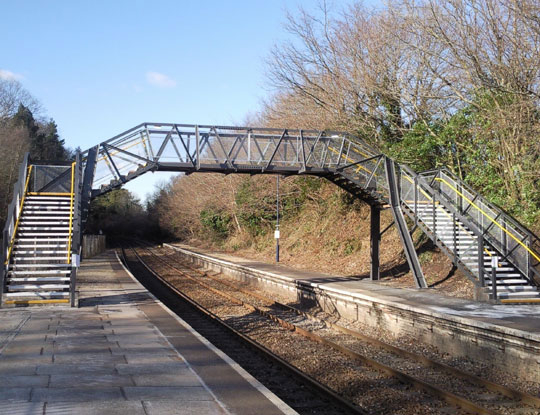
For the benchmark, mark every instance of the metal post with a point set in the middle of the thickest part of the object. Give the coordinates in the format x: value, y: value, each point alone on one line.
x: 375, y: 239
x: 494, y: 265
x: 434, y: 217
x: 481, y: 261
x: 454, y: 237
x: 415, y: 182
x: 276, y: 234
x: 5, y: 237
x: 197, y: 148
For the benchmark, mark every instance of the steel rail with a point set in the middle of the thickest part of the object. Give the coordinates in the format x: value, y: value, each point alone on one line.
x: 259, y: 347
x: 449, y: 397
x: 494, y: 387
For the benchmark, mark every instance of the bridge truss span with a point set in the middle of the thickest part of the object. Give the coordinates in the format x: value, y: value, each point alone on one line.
x: 498, y: 254
x: 202, y: 148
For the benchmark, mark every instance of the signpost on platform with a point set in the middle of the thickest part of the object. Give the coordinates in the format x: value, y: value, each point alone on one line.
x: 276, y: 233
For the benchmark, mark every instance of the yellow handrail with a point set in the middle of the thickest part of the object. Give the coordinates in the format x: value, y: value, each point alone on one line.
x: 114, y: 152
x: 19, y: 216
x: 351, y: 161
x: 71, y: 211
x: 490, y: 218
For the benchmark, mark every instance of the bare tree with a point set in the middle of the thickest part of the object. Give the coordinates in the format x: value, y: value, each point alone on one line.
x: 12, y: 94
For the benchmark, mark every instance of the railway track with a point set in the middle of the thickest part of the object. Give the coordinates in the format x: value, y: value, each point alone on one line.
x: 436, y: 384
x: 302, y: 393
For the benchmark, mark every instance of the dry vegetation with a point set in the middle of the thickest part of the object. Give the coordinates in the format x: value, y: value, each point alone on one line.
x: 432, y: 83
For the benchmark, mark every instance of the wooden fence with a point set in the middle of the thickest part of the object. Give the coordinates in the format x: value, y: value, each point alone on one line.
x: 93, y: 245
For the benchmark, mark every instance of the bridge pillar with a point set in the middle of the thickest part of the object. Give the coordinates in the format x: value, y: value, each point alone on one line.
x: 375, y: 239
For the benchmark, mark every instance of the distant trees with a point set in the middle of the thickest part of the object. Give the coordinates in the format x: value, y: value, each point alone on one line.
x: 119, y: 214
x: 22, y: 129
x: 433, y: 83
x: 45, y: 143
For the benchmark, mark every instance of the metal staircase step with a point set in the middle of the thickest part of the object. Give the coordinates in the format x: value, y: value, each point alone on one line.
x: 48, y: 197
x: 38, y: 294
x: 39, y: 279
x: 45, y: 211
x: 510, y: 280
x: 42, y: 272
x: 17, y: 258
x: 51, y: 221
x: 42, y: 246
x: 18, y: 252
x: 20, y: 266
x: 43, y: 228
x: 36, y: 287
x: 519, y: 294
x: 43, y: 234
x: 45, y: 201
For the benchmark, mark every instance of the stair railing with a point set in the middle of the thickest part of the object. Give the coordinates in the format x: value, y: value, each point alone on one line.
x: 415, y: 191
x: 74, y: 245
x: 515, y: 242
x: 12, y: 220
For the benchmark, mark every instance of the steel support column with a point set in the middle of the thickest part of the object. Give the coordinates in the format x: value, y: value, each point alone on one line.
x: 375, y: 239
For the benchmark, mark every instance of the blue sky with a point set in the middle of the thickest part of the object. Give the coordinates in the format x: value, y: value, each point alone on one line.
x: 101, y: 67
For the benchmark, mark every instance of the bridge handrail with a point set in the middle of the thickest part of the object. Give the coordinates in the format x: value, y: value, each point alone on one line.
x: 489, y: 217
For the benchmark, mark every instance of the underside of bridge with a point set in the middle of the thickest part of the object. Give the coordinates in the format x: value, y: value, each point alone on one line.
x: 41, y: 240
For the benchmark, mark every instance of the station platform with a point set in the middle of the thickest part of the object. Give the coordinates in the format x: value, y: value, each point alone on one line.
x: 122, y: 351
x: 509, y: 333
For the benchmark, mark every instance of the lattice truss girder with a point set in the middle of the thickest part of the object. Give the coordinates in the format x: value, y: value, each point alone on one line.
x: 191, y: 148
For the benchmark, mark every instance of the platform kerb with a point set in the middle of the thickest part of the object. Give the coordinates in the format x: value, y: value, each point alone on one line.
x: 485, y: 332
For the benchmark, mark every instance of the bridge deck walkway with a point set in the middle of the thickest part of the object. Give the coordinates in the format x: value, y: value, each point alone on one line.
x: 121, y: 352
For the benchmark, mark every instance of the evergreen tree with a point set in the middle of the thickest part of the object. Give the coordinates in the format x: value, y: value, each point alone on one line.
x: 45, y: 142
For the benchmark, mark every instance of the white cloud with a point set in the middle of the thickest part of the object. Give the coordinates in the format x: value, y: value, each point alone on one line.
x: 160, y: 80
x: 10, y: 76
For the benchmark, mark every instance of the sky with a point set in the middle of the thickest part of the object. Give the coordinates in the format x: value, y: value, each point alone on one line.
x: 101, y: 67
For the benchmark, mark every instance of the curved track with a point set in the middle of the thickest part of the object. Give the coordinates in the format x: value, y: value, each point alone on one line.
x: 467, y: 392
x: 302, y: 393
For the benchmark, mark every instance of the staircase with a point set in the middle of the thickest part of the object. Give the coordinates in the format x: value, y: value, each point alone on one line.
x: 39, y: 268
x: 475, y: 234
x: 460, y: 242
x: 41, y: 238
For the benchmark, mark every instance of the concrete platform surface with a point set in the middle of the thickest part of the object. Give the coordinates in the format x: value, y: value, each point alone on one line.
x: 121, y: 352
x: 523, y: 319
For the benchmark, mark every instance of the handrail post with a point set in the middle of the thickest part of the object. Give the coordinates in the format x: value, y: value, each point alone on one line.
x: 70, y: 229
x: 415, y: 184
x: 434, y: 216
x: 5, y: 237
x: 481, y: 261
x: 74, y: 251
x: 454, y: 235
x: 197, y: 148
x: 494, y: 266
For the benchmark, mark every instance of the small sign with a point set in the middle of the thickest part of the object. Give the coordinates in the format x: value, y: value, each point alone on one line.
x: 494, y: 262
x: 76, y: 260
x: 276, y: 234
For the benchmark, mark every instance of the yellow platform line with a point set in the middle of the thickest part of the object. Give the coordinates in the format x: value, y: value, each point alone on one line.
x: 521, y: 301
x: 36, y: 301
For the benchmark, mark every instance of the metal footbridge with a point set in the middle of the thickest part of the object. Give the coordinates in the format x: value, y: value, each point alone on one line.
x: 42, y: 236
